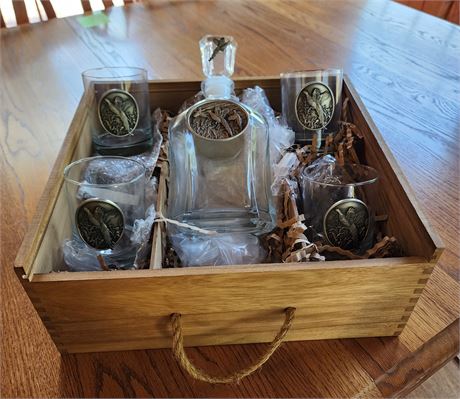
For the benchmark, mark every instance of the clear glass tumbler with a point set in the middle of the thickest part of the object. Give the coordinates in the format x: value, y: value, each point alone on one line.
x: 120, y: 110
x: 341, y: 208
x: 312, y: 103
x: 105, y: 196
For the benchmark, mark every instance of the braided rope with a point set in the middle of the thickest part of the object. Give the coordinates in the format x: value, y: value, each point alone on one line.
x: 195, y: 372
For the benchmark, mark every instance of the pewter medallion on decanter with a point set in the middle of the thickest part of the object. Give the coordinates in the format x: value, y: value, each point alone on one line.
x: 218, y: 120
x: 218, y: 126
x: 218, y: 153
x: 100, y: 223
x: 118, y: 112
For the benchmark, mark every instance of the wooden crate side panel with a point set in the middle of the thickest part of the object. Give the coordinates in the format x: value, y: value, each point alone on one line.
x: 367, y: 301
x: 405, y: 219
x: 231, y: 322
x: 49, y: 255
x: 361, y: 309
x: 222, y: 328
x: 170, y: 94
x: 38, y: 229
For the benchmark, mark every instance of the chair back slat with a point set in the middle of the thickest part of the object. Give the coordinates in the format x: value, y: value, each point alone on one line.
x: 445, y: 9
x: 15, y: 12
x: 20, y: 12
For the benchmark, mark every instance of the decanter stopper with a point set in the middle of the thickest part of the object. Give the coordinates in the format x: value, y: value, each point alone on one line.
x: 218, y: 62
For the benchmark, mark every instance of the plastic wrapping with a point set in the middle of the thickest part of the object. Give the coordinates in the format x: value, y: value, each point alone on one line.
x: 149, y: 158
x: 219, y: 249
x: 102, y: 171
x: 143, y: 227
x: 78, y: 257
x: 281, y: 136
x: 141, y: 234
x: 151, y: 192
x: 283, y: 171
x: 327, y: 170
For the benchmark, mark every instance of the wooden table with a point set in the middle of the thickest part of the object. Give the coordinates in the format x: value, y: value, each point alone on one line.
x: 404, y: 65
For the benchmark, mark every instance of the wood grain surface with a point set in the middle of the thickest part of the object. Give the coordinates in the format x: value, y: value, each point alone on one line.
x: 404, y: 65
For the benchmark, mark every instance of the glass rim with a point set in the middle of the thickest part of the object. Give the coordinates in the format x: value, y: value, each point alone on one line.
x: 88, y: 73
x: 355, y: 184
x: 89, y: 159
x: 298, y: 73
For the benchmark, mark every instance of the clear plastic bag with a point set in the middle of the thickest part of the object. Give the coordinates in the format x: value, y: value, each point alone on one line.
x: 282, y: 171
x: 219, y: 249
x: 281, y: 136
x: 327, y: 170
x: 78, y: 257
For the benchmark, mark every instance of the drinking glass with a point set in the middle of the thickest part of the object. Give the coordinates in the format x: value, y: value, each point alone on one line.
x: 340, y: 208
x: 105, y: 195
x: 312, y: 103
x: 120, y: 110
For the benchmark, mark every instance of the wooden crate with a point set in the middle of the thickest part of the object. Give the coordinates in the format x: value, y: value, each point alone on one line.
x: 121, y: 310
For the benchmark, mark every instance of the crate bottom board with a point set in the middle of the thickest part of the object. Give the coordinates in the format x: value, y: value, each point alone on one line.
x: 226, y: 323
x: 307, y: 334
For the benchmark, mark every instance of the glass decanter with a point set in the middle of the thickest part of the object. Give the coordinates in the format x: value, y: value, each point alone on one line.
x: 219, y: 154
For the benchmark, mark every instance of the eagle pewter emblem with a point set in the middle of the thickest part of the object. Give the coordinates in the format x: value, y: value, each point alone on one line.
x: 218, y: 120
x: 100, y: 223
x: 118, y: 112
x: 346, y: 223
x: 314, y: 106
x: 220, y: 44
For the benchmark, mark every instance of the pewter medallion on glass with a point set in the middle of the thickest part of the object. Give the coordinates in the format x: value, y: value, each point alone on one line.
x: 346, y: 223
x: 118, y: 112
x: 100, y: 223
x: 314, y: 106
x: 311, y: 104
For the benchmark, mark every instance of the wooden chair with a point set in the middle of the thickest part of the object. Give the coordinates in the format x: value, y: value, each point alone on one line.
x: 445, y: 9
x: 14, y: 12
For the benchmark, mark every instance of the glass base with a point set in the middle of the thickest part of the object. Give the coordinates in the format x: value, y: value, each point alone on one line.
x: 126, y: 149
x: 228, y: 221
x: 80, y: 257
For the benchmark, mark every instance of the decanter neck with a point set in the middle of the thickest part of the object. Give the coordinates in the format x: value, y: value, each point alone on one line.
x: 218, y: 62
x: 217, y: 87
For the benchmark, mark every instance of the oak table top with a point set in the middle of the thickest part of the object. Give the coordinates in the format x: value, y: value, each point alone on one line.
x: 405, y: 66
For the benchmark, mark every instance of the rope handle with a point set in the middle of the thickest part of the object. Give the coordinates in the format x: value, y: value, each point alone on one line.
x: 195, y: 372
